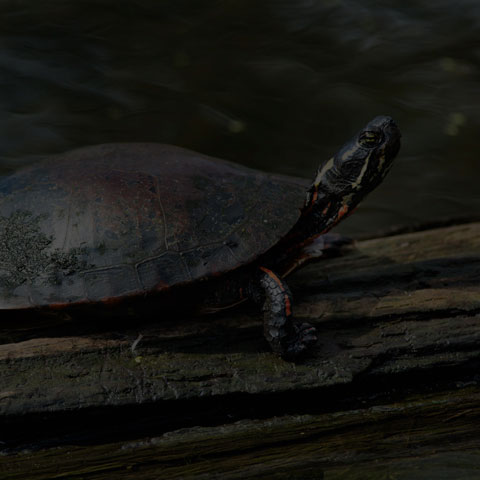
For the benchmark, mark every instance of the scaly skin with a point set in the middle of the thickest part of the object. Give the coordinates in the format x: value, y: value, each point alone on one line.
x: 285, y: 337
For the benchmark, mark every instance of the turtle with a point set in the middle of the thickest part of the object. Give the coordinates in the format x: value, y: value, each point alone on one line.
x: 133, y: 223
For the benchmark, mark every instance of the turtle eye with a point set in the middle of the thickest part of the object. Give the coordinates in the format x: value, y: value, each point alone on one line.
x: 370, y: 138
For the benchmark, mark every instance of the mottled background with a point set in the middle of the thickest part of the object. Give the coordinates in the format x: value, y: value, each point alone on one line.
x: 275, y: 84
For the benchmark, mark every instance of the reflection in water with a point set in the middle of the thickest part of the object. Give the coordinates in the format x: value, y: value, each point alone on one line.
x: 279, y: 85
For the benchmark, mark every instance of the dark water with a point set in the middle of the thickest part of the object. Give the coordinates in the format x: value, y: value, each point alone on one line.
x: 277, y: 84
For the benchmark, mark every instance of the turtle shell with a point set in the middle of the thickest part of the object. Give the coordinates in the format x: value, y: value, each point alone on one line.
x: 117, y: 220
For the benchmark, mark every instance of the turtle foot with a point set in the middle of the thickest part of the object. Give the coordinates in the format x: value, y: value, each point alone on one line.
x: 303, y: 337
x: 286, y: 338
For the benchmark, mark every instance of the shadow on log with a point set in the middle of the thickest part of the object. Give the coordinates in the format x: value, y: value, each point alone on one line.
x: 392, y: 386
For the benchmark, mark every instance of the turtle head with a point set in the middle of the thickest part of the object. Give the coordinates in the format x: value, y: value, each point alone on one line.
x: 358, y: 167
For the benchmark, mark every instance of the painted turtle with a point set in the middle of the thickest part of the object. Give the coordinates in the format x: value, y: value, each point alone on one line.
x: 119, y: 221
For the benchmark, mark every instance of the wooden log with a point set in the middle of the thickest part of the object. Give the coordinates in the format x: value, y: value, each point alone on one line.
x: 397, y: 315
x: 399, y: 303
x: 432, y: 436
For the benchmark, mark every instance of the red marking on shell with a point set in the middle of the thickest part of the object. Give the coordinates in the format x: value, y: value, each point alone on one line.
x: 64, y: 305
x: 112, y: 300
x: 161, y: 286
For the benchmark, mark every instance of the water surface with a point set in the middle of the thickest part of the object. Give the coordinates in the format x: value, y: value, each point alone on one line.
x: 278, y: 85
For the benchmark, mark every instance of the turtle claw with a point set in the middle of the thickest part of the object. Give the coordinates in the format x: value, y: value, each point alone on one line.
x: 303, y: 337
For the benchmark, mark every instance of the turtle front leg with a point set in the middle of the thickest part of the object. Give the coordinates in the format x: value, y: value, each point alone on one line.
x: 285, y: 337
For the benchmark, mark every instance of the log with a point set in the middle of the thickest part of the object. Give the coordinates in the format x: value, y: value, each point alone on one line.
x: 433, y: 435
x: 398, y: 318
